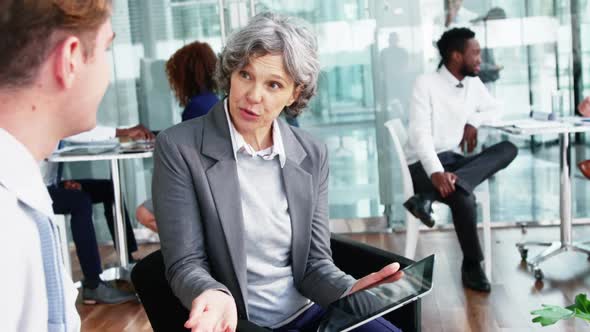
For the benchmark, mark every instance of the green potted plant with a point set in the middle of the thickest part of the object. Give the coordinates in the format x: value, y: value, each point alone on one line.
x: 551, y: 314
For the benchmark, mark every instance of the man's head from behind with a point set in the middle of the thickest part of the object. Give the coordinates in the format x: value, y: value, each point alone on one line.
x: 460, y: 50
x: 57, y: 48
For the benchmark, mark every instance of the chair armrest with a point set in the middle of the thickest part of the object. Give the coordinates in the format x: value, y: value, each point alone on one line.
x: 359, y: 259
x: 162, y: 307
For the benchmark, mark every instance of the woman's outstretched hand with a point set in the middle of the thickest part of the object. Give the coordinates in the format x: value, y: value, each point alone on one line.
x: 213, y: 311
x: 389, y: 273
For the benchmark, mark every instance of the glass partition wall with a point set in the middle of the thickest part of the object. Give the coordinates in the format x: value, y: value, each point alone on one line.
x: 371, y: 51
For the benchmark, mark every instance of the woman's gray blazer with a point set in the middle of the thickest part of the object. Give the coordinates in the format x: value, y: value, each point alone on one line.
x: 198, y: 210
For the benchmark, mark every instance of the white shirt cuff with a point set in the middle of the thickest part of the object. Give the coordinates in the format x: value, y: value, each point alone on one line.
x: 433, y: 167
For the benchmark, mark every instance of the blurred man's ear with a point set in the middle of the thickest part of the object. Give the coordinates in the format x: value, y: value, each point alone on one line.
x: 67, y: 58
x: 457, y: 57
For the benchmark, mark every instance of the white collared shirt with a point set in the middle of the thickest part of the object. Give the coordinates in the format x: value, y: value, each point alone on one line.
x: 272, y: 297
x: 438, y: 113
x: 23, y: 304
x: 239, y: 144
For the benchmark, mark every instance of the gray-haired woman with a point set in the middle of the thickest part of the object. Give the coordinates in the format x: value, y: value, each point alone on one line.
x: 241, y: 198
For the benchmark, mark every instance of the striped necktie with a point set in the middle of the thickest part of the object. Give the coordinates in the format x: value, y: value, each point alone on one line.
x: 53, y: 268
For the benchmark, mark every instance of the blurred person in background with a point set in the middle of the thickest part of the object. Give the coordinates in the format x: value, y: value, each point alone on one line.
x: 447, y: 108
x: 190, y: 74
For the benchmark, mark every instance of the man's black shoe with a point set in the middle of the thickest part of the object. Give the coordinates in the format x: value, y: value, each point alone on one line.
x: 474, y: 278
x: 105, y: 293
x: 420, y: 208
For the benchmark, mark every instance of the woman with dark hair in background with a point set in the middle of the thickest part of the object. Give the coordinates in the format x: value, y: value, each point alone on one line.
x: 190, y: 74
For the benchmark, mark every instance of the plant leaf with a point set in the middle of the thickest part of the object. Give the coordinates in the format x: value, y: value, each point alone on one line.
x: 551, y: 314
x: 582, y: 315
x: 582, y: 303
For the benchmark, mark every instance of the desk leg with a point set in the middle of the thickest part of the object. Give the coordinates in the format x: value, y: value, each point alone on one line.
x: 565, y: 197
x: 120, y: 236
x: 120, y: 272
x: 565, y: 214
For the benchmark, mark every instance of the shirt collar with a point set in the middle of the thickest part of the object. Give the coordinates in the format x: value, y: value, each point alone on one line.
x: 239, y: 144
x: 20, y: 174
x: 446, y: 74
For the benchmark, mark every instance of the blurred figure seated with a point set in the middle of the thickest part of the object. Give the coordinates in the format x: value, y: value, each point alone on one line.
x: 76, y: 197
x: 190, y: 74
x: 447, y: 107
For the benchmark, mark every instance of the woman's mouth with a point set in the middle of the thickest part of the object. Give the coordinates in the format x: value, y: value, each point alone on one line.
x: 248, y: 114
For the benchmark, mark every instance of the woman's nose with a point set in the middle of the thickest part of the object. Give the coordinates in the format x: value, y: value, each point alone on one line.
x: 254, y: 94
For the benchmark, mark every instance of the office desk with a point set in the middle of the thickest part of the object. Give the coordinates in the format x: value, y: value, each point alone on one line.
x: 563, y: 128
x: 115, y: 157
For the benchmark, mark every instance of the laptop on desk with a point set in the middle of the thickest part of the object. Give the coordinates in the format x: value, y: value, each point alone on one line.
x: 361, y: 307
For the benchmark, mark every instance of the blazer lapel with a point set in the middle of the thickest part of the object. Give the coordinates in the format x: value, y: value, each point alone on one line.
x: 299, y: 190
x: 224, y: 184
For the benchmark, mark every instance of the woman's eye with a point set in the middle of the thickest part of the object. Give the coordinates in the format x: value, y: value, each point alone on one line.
x: 275, y: 85
x: 244, y: 74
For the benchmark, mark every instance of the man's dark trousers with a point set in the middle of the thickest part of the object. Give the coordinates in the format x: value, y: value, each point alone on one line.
x: 470, y: 172
x: 78, y: 203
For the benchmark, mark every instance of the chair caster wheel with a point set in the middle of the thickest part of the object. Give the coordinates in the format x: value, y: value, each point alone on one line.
x: 524, y: 252
x: 538, y: 274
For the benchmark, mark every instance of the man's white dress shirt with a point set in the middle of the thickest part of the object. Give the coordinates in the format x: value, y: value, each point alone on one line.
x: 438, y: 113
x: 23, y: 304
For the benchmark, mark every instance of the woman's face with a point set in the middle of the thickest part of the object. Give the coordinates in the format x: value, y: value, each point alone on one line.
x: 258, y: 93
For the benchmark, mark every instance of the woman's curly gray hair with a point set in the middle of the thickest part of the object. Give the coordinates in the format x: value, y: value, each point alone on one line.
x: 269, y: 33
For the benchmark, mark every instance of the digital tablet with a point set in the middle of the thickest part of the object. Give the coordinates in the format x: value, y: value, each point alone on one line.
x: 361, y: 307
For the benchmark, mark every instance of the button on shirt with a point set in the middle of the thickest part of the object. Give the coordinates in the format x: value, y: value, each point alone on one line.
x: 438, y: 114
x: 23, y: 305
x: 272, y: 297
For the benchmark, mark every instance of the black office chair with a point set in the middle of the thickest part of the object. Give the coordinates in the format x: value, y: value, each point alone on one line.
x: 166, y: 313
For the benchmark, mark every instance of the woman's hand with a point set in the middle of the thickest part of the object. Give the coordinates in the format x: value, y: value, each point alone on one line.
x: 389, y: 273
x: 213, y: 311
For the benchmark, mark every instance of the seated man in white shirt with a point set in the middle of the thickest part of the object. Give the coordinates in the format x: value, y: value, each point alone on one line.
x: 54, y: 70
x: 447, y: 107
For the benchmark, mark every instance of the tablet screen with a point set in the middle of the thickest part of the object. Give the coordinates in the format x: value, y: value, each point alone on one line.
x: 354, y: 310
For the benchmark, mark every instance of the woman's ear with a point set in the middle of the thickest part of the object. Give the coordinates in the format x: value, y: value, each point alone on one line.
x: 295, y: 95
x: 67, y: 58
